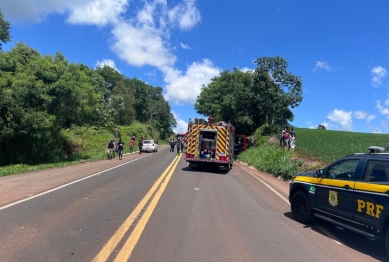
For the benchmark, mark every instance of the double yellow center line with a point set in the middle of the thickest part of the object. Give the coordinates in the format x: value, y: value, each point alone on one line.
x: 156, y: 190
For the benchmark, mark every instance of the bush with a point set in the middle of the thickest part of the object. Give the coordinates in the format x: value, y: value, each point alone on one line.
x: 262, y: 134
x: 272, y: 159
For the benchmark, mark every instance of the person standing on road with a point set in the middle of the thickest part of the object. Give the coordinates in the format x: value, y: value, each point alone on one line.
x: 120, y: 149
x: 171, y: 145
x: 178, y: 145
x: 140, y: 145
x: 132, y: 144
x: 182, y: 146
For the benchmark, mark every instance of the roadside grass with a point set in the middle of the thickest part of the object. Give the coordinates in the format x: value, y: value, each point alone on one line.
x: 272, y: 159
x: 328, y: 146
x: 21, y: 168
x: 87, y: 144
x: 323, y: 146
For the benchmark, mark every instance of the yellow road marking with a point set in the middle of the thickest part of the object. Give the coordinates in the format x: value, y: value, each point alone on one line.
x: 117, y: 237
x: 129, y: 246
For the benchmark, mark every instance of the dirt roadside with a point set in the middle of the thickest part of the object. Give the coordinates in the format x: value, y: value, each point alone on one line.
x: 21, y: 186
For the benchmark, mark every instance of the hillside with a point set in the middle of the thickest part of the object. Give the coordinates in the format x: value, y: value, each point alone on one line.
x: 82, y: 144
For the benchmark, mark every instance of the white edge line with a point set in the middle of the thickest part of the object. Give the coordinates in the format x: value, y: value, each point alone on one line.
x: 325, y: 231
x: 68, y: 184
x: 162, y: 147
x: 267, y: 185
x: 330, y: 235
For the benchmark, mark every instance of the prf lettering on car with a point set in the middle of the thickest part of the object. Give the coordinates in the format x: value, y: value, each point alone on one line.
x: 371, y: 208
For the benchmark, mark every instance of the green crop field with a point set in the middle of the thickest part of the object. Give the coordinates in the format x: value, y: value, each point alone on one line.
x: 328, y: 145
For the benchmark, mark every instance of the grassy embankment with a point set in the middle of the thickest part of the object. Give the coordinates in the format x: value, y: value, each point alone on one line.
x: 89, y: 144
x: 323, y: 146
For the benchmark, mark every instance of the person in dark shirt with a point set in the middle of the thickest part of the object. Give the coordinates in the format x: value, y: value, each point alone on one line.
x: 140, y: 144
x: 292, y: 133
x: 178, y: 145
x: 111, y: 148
x: 171, y: 145
x: 120, y: 149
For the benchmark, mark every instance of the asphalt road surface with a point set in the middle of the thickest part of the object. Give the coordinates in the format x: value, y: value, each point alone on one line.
x: 156, y: 209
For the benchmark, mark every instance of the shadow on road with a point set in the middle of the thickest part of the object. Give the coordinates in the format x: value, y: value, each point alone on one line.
x: 210, y: 170
x: 362, y: 244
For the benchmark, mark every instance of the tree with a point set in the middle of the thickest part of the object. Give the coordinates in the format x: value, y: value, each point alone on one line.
x: 124, y: 102
x: 270, y: 81
x: 321, y: 127
x: 5, y: 34
x: 251, y: 99
x: 228, y: 98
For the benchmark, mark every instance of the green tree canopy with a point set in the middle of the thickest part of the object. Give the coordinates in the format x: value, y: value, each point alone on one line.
x: 253, y: 98
x: 40, y: 95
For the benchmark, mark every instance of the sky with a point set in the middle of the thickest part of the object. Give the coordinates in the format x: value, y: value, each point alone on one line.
x: 339, y: 48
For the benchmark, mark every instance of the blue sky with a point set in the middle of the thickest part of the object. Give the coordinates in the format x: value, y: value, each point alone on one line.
x: 339, y: 48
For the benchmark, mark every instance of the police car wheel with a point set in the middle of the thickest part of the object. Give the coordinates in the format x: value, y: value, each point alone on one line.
x: 301, y: 207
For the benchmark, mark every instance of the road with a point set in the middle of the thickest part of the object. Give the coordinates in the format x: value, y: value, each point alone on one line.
x: 156, y: 209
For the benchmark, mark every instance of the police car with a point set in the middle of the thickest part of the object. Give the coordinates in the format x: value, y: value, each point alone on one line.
x: 352, y: 192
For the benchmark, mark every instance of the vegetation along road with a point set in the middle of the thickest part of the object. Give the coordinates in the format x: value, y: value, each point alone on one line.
x: 151, y: 207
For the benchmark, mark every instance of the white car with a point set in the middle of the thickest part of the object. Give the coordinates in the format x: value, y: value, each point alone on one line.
x: 149, y: 146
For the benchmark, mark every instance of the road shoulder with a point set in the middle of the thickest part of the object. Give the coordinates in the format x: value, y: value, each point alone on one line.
x: 21, y: 186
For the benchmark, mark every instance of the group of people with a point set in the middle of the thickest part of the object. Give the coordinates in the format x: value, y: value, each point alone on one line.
x: 178, y: 143
x: 114, y: 147
x: 118, y: 147
x: 288, y: 139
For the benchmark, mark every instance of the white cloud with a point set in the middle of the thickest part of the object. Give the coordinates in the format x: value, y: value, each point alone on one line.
x: 246, y: 69
x: 141, y: 45
x: 182, y: 126
x: 384, y: 123
x: 363, y: 115
x: 327, y: 125
x: 383, y: 110
x: 378, y: 73
x: 98, y: 12
x: 185, y: 87
x: 142, y: 39
x: 311, y: 126
x: 107, y: 62
x: 375, y: 130
x: 387, y: 101
x: 185, y: 14
x: 184, y: 46
x: 322, y: 65
x: 341, y: 117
